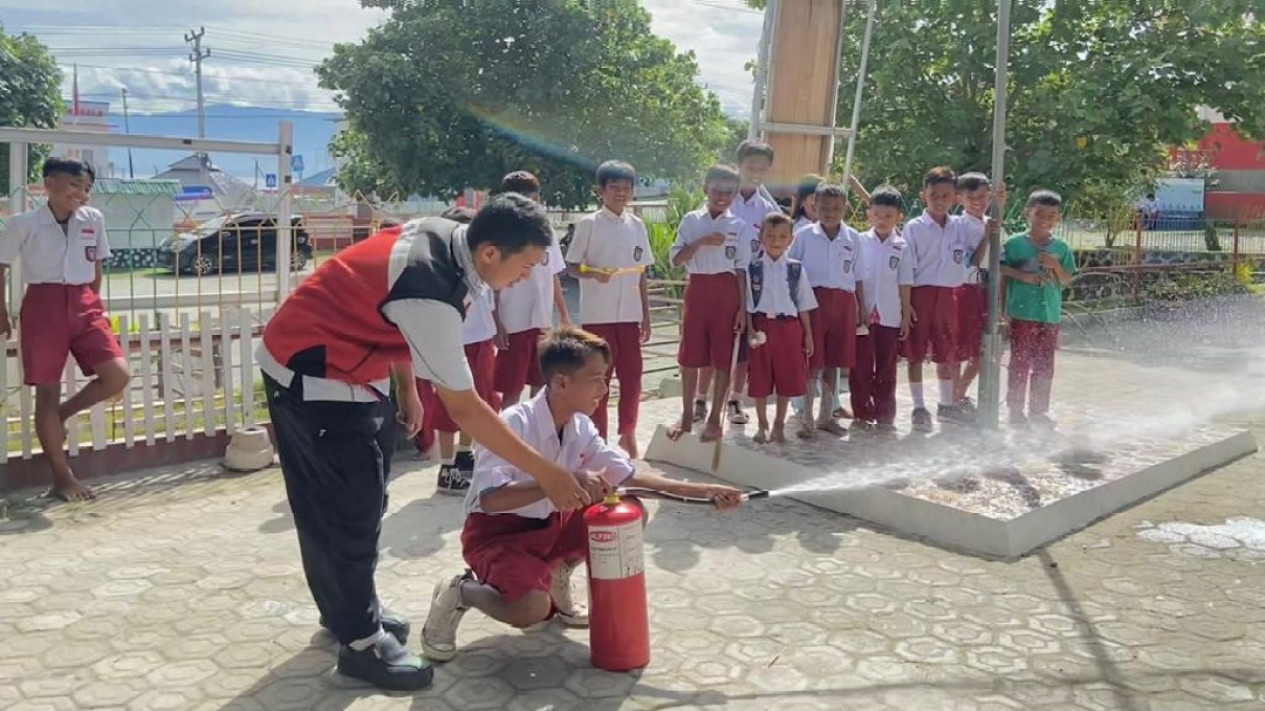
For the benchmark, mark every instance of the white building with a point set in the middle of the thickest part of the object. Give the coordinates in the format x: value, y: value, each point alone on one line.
x: 89, y: 117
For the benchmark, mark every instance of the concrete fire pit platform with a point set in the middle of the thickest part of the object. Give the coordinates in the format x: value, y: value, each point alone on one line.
x: 996, y: 494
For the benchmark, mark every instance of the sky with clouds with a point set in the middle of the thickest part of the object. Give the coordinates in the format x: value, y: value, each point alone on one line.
x: 262, y: 55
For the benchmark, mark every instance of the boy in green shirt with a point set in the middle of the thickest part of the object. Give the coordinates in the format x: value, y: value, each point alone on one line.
x: 1037, y: 267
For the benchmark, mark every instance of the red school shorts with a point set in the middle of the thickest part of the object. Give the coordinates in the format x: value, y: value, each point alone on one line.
x: 934, y: 331
x: 779, y: 366
x: 519, y: 364
x: 516, y: 554
x: 972, y: 312
x: 834, y: 329
x: 482, y: 359
x: 57, y: 321
x: 707, y: 335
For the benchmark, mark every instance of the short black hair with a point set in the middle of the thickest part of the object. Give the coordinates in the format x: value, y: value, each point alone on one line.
x: 722, y: 173
x: 887, y: 196
x: 1043, y: 197
x: 749, y: 148
x: 566, y: 349
x: 939, y: 176
x: 521, y: 182
x: 511, y: 223
x: 615, y: 170
x: 806, y: 189
x: 773, y: 219
x: 831, y: 190
x: 69, y: 166
x: 464, y: 215
x: 970, y: 182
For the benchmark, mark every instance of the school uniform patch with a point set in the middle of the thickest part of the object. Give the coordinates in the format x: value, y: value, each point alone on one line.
x: 847, y: 266
x: 637, y: 252
x: 755, y: 246
x: 893, y: 262
x: 957, y: 256
x: 90, y: 253
x: 731, y: 252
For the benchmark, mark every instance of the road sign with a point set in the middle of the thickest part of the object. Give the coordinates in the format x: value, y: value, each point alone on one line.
x: 296, y: 163
x: 270, y: 180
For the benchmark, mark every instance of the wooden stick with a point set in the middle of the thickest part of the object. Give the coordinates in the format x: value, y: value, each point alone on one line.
x: 733, y: 363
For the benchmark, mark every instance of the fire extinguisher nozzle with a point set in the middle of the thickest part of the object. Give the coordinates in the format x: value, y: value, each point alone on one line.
x: 760, y: 494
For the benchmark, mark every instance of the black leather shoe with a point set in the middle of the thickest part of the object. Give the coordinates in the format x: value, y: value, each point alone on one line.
x: 387, y: 665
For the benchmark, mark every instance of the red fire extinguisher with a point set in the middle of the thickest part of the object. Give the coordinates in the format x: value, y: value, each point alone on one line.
x: 619, y: 628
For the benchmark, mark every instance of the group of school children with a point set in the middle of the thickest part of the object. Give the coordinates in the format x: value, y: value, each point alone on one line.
x: 520, y: 549
x: 787, y: 302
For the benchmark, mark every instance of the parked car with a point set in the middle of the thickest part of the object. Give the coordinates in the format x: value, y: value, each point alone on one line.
x: 245, y: 241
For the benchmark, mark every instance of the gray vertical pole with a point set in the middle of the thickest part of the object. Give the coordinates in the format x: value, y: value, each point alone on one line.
x: 762, y: 72
x: 856, y: 102
x: 990, y: 368
x: 285, y: 209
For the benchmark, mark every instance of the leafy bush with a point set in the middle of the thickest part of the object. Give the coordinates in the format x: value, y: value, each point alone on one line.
x: 1185, y: 287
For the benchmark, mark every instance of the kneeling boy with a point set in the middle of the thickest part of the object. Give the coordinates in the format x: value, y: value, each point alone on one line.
x: 520, y: 549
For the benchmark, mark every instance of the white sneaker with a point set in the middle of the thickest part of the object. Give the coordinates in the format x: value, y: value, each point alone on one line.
x: 572, y: 613
x: 439, y: 634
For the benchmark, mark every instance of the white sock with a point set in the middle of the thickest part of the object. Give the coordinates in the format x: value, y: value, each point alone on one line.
x: 915, y: 391
x: 361, y: 645
x: 463, y: 448
x: 946, y: 392
x: 448, y: 461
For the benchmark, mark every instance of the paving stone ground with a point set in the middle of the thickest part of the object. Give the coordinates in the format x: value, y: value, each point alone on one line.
x: 182, y: 589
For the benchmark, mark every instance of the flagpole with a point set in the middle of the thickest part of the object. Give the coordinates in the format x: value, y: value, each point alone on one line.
x: 990, y: 371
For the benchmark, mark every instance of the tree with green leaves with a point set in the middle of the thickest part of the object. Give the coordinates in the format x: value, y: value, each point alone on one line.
x: 1099, y: 89
x: 448, y: 95
x: 30, y: 95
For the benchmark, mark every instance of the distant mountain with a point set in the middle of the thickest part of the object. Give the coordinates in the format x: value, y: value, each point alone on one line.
x: 312, y: 134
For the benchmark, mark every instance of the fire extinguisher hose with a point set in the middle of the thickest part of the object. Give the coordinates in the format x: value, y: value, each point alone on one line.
x: 652, y: 494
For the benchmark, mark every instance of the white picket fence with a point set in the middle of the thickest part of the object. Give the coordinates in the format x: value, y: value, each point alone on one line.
x: 188, y: 379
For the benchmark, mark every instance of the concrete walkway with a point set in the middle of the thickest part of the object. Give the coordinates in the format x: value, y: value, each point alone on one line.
x: 183, y: 590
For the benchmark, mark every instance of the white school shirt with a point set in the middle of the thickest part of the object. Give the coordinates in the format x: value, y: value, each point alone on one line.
x: 776, y: 297
x: 939, y: 252
x: 529, y: 303
x: 828, y: 263
x: 604, y: 239
x: 975, y: 231
x: 581, y: 448
x: 733, y: 255
x: 51, y: 256
x: 887, y: 265
x: 479, y: 326
x: 800, y: 224
x: 752, y: 212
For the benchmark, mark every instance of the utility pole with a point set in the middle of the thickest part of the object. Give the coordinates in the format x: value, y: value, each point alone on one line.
x: 131, y: 172
x: 196, y: 56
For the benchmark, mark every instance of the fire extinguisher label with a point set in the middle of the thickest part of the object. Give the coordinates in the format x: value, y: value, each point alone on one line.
x: 615, y: 552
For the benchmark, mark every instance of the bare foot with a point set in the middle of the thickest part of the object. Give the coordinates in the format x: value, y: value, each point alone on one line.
x: 628, y: 443
x: 712, y: 432
x: 684, y: 427
x: 778, y: 434
x: 761, y: 436
x: 68, y: 488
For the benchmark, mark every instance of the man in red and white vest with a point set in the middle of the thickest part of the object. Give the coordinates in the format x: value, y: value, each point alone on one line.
x: 387, y: 308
